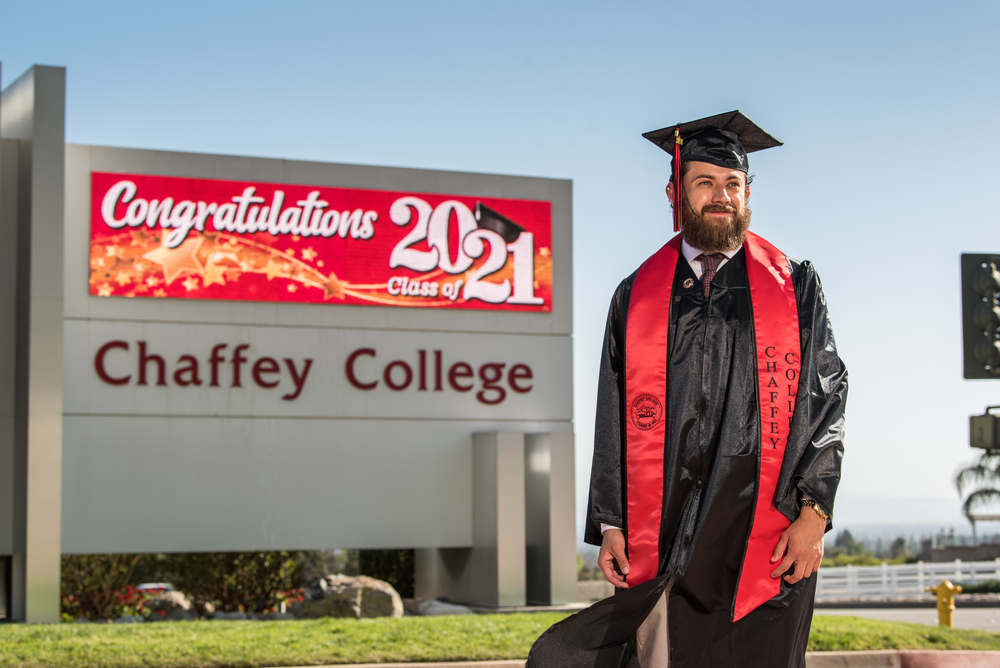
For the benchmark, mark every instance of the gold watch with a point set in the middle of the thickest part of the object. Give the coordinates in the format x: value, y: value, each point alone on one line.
x: 815, y: 506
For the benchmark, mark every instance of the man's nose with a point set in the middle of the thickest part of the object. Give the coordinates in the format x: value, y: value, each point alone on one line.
x: 721, y: 195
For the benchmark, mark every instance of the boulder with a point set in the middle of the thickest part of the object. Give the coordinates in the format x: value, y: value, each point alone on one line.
x: 438, y: 608
x: 170, y: 601
x: 353, y: 597
x: 222, y: 615
x: 130, y: 619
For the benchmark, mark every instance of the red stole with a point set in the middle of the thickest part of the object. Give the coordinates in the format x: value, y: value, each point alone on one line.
x: 776, y: 332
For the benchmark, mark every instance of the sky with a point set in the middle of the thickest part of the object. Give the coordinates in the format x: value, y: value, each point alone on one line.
x: 886, y: 176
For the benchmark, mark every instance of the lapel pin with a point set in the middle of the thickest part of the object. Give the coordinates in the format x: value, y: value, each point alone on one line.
x: 688, y: 282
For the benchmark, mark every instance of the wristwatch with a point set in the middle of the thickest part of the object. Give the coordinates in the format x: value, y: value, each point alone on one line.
x: 815, y: 506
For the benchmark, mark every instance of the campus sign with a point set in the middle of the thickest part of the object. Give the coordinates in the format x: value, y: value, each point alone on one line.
x: 206, y: 353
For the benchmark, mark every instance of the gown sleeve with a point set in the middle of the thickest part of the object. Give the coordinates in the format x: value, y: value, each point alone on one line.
x: 817, y: 435
x: 606, y: 503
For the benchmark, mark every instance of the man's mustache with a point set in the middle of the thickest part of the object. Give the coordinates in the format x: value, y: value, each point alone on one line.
x: 718, y: 208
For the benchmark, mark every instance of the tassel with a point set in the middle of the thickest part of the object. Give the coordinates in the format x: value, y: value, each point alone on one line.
x: 678, y: 214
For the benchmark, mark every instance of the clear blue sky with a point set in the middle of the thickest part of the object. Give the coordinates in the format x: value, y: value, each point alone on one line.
x: 886, y: 109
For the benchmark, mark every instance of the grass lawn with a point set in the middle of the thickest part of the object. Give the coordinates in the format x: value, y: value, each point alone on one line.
x: 297, y: 643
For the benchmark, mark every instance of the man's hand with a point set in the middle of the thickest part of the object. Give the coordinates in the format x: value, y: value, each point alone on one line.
x: 612, y: 558
x: 804, y: 542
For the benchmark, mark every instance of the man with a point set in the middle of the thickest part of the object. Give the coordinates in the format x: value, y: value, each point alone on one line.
x: 719, y: 435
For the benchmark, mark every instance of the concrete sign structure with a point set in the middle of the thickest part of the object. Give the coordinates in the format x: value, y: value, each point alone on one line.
x: 218, y: 353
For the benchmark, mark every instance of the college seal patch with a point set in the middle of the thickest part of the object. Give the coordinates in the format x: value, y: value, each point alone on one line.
x: 646, y: 411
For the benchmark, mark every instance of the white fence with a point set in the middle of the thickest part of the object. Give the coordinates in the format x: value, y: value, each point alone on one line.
x: 864, y: 581
x: 900, y: 579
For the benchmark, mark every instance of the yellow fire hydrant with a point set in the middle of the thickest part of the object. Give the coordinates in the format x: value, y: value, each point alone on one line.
x: 946, y: 602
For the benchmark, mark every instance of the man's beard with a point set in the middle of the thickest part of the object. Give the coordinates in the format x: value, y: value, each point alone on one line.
x: 717, y: 235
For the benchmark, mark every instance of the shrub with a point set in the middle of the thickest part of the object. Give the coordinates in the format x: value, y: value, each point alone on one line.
x: 99, y: 586
x: 231, y: 581
x: 988, y: 587
x: 394, y: 566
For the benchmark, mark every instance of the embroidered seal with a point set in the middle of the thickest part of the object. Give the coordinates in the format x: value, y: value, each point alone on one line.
x: 646, y: 411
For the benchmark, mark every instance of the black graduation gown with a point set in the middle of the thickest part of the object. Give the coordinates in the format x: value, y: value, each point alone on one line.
x: 712, y: 452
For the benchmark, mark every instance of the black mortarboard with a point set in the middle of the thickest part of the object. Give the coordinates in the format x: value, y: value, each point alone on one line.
x: 723, y: 140
x: 488, y: 219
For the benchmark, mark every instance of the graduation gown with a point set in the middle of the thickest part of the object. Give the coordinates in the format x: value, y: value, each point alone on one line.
x: 710, y: 474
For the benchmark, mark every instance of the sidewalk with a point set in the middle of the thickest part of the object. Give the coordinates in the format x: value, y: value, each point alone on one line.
x: 884, y: 659
x: 982, y: 619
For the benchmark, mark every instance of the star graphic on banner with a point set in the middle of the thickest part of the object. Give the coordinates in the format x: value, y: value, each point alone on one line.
x: 153, y: 281
x: 544, y: 251
x: 290, y: 252
x: 139, y: 237
x: 160, y: 293
x: 111, y: 251
x: 292, y: 287
x: 214, y: 273
x: 309, y: 254
x: 320, y: 263
x: 121, y: 278
x: 274, y: 269
x: 176, y: 261
x: 190, y: 283
x: 333, y: 287
x: 105, y: 290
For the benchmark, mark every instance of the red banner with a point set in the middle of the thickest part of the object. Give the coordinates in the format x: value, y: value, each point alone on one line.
x: 159, y: 236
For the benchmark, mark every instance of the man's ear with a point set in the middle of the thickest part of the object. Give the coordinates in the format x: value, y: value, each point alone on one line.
x: 747, y: 198
x: 670, y: 191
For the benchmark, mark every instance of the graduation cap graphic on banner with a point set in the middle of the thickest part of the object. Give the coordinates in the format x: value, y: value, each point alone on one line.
x: 488, y: 219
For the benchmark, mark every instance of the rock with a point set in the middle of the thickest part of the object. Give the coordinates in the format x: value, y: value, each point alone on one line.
x: 205, y: 608
x: 130, y: 619
x: 223, y: 615
x: 169, y: 601
x: 82, y: 620
x: 178, y: 615
x: 411, y: 606
x: 352, y: 597
x: 278, y: 616
x: 438, y: 608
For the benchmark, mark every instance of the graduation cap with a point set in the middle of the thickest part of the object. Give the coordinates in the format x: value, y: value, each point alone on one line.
x: 722, y: 140
x: 488, y: 219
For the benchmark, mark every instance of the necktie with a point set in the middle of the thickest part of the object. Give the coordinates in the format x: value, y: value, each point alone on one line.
x: 709, y: 265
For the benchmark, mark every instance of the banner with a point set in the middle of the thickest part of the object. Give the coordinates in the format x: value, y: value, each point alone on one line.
x: 159, y: 236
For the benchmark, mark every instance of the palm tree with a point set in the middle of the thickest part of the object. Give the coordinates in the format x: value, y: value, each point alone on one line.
x: 984, y: 477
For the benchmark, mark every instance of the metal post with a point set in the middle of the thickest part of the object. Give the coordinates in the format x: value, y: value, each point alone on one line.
x: 33, y: 112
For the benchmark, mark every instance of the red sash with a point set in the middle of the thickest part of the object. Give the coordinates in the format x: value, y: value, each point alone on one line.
x: 776, y: 332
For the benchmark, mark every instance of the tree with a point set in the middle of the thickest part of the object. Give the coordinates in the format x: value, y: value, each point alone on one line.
x: 983, y: 477
x: 845, y: 544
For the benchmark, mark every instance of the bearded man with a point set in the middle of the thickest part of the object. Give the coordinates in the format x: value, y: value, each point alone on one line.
x: 718, y: 442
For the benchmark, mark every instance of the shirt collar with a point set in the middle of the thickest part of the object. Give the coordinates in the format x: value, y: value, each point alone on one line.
x: 690, y: 252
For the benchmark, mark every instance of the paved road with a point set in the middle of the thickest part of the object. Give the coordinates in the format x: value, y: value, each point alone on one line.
x: 985, y: 619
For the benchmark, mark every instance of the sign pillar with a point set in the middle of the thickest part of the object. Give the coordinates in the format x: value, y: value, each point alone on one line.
x: 549, y: 518
x: 33, y: 112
